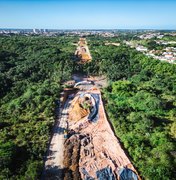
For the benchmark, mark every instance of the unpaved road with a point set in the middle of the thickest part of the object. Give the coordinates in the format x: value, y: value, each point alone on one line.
x: 101, y: 151
x: 55, y: 156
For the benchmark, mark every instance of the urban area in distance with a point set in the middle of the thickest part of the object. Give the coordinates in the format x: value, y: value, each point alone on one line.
x: 87, y: 90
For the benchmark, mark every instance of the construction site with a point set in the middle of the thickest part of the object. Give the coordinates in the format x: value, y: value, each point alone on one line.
x: 83, y: 145
x: 82, y: 52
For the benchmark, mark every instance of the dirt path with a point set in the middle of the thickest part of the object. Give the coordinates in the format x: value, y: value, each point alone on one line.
x: 91, y: 147
x: 54, y: 162
x: 99, y: 149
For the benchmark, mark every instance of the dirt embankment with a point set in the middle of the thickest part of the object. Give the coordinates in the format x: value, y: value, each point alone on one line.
x: 83, y: 145
x: 91, y: 150
x: 72, y: 155
x: 82, y: 52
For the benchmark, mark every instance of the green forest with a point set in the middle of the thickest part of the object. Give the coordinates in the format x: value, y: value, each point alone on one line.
x: 141, y: 104
x: 140, y: 101
x: 31, y: 72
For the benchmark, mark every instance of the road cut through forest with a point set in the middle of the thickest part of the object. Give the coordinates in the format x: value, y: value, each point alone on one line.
x: 83, y: 144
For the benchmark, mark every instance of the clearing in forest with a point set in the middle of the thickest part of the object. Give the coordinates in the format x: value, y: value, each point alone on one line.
x: 82, y: 52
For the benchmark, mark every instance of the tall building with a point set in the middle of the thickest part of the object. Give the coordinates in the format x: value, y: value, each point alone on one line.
x: 35, y: 31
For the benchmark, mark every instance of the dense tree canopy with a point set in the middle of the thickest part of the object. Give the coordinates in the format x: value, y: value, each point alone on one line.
x: 31, y: 72
x: 140, y: 101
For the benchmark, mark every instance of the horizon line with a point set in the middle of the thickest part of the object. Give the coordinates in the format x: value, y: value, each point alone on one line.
x: 92, y: 28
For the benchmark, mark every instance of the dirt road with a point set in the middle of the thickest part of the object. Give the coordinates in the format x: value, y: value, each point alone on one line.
x: 99, y: 150
x: 54, y: 161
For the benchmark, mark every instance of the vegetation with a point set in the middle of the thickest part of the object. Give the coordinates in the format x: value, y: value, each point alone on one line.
x: 169, y: 38
x: 31, y: 72
x: 140, y: 102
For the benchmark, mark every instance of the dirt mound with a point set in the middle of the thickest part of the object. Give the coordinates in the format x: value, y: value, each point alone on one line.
x: 72, y: 155
x: 82, y: 52
x: 77, y: 112
x: 100, y: 153
x: 80, y: 108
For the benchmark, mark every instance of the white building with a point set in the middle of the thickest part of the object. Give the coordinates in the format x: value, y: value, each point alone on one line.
x: 141, y: 48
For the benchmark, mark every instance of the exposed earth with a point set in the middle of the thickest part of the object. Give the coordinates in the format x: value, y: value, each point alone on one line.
x: 82, y: 52
x: 83, y: 145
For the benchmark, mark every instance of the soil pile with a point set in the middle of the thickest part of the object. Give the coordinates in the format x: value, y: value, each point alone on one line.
x: 82, y: 52
x: 92, y: 150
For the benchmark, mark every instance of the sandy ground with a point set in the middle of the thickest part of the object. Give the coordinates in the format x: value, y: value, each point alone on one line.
x: 100, y: 149
x: 55, y: 155
x: 99, y: 81
x: 83, y: 51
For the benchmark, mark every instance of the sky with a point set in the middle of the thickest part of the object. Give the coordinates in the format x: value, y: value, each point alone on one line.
x: 88, y: 14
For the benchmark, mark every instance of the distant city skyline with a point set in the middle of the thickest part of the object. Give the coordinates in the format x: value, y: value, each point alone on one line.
x: 88, y: 14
